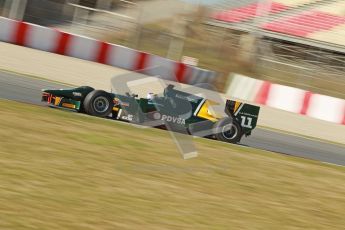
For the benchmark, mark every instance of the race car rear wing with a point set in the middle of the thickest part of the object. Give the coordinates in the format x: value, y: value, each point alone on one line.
x: 246, y: 114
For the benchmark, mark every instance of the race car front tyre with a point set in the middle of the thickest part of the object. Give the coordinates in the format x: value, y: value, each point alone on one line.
x: 98, y: 103
x: 84, y: 88
x: 228, y: 130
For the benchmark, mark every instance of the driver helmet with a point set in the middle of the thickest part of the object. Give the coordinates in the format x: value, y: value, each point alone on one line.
x: 150, y: 96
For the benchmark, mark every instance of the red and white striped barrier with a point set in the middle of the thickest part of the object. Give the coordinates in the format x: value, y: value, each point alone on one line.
x: 288, y: 98
x: 55, y: 41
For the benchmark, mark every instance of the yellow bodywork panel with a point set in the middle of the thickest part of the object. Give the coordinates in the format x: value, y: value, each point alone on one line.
x: 237, y: 105
x: 57, y: 101
x: 205, y: 111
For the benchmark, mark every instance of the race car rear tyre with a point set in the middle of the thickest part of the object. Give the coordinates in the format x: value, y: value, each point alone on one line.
x: 98, y: 103
x: 228, y: 130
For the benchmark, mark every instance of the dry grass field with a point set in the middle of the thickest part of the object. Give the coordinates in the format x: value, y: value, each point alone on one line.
x: 62, y: 170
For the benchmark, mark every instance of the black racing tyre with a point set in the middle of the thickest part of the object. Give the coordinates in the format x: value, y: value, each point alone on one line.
x: 84, y: 88
x: 98, y: 103
x: 228, y: 130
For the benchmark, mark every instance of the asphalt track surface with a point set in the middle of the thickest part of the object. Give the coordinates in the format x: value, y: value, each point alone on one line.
x: 28, y: 90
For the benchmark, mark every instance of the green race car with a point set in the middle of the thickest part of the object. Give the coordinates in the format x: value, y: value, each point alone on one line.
x: 174, y: 109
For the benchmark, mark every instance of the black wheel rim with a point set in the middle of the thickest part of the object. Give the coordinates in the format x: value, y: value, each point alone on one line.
x: 229, y: 131
x: 101, y: 104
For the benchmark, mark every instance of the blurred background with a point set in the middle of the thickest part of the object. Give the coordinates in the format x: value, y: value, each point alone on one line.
x: 299, y: 43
